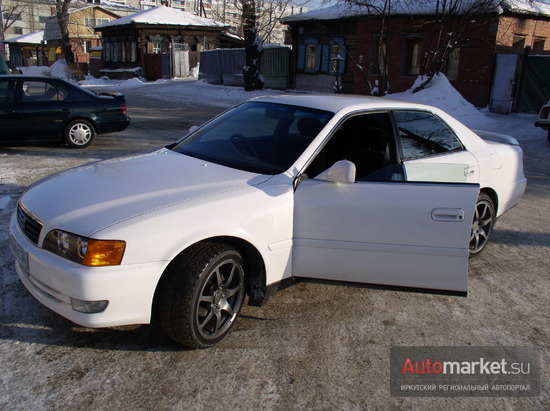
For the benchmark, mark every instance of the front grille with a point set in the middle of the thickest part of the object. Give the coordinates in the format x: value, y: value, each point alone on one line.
x: 30, y: 226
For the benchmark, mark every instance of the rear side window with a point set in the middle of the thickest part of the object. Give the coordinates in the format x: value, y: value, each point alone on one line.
x: 42, y: 91
x: 423, y: 134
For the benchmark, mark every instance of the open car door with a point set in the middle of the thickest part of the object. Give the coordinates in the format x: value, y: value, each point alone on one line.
x: 396, y: 233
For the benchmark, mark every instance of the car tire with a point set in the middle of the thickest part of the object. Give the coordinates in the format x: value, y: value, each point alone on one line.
x: 482, y: 225
x: 201, y: 295
x: 79, y: 133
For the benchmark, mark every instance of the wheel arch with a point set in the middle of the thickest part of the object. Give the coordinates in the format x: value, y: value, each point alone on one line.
x: 80, y: 116
x: 254, y: 267
x: 493, y: 195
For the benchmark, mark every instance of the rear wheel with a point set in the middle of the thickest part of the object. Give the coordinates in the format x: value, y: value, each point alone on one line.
x: 79, y: 133
x: 482, y: 226
x: 202, y: 295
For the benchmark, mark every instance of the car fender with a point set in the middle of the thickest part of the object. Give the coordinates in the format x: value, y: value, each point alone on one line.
x: 261, y: 216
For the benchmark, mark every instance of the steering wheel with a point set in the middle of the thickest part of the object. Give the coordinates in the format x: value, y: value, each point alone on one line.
x: 243, y: 145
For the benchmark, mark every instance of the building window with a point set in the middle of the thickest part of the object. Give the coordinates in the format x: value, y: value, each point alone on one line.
x: 86, y: 46
x: 18, y: 30
x: 377, y: 61
x: 413, y: 50
x: 451, y: 66
x: 92, y: 21
x: 518, y: 46
x: 334, y: 58
x: 133, y: 52
x: 310, y: 57
x: 123, y: 51
x: 538, y: 45
x: 156, y: 42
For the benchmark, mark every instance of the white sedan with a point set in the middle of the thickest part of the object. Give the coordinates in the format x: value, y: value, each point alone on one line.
x: 274, y: 191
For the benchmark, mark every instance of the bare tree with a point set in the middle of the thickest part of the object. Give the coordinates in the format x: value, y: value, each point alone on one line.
x: 450, y: 21
x: 252, y: 46
x: 9, y: 14
x: 258, y: 19
x: 62, y: 12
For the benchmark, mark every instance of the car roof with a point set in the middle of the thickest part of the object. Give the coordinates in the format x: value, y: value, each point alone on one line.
x: 33, y: 77
x: 336, y: 103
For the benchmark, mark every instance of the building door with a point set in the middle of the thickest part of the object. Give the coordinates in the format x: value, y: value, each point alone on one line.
x: 180, y: 60
x: 503, y: 83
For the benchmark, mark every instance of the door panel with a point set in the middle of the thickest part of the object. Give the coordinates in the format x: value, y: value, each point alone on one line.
x: 395, y: 233
x: 459, y: 167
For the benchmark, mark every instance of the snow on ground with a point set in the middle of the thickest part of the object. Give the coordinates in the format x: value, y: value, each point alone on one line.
x: 440, y: 93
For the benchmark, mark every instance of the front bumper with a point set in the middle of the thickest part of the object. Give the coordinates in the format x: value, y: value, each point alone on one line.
x: 53, y: 281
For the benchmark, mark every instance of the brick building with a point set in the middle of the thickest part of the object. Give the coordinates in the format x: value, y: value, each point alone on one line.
x: 341, y: 44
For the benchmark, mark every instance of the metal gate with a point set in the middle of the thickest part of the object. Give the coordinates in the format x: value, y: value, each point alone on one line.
x: 533, y: 88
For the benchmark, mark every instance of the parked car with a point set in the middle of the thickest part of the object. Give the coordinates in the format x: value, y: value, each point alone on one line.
x: 36, y: 108
x: 544, y: 119
x: 274, y: 191
x: 3, y: 66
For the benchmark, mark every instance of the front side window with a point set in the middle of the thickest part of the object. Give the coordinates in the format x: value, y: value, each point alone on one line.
x: 263, y: 138
x: 423, y: 134
x: 367, y: 140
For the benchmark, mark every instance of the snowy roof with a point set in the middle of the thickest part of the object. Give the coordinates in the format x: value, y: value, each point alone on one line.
x: 110, y: 5
x: 163, y: 15
x: 32, y: 38
x: 531, y: 7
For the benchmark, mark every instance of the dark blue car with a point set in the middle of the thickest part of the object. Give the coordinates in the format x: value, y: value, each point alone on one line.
x: 37, y: 108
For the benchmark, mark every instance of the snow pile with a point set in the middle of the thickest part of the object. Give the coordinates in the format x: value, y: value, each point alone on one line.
x: 60, y: 69
x: 131, y: 83
x: 35, y: 70
x: 441, y: 94
x: 57, y: 69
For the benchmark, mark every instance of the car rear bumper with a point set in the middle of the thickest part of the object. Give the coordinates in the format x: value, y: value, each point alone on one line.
x: 545, y: 125
x: 112, y: 124
x: 56, y: 283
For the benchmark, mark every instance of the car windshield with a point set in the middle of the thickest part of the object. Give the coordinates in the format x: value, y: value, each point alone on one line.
x: 263, y: 138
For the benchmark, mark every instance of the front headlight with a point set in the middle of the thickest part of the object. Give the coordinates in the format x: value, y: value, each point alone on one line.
x: 85, y: 251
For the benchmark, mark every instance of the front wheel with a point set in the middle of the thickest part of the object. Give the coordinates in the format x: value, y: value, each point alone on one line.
x: 202, y: 295
x: 79, y: 133
x: 482, y: 226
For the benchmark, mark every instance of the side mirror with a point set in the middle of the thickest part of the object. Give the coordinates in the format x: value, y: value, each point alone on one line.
x: 342, y: 171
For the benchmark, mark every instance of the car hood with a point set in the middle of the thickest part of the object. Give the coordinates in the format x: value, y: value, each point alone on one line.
x: 89, y: 198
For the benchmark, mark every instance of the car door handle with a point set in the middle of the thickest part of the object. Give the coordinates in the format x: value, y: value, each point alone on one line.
x: 447, y: 214
x: 65, y: 109
x: 9, y: 111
